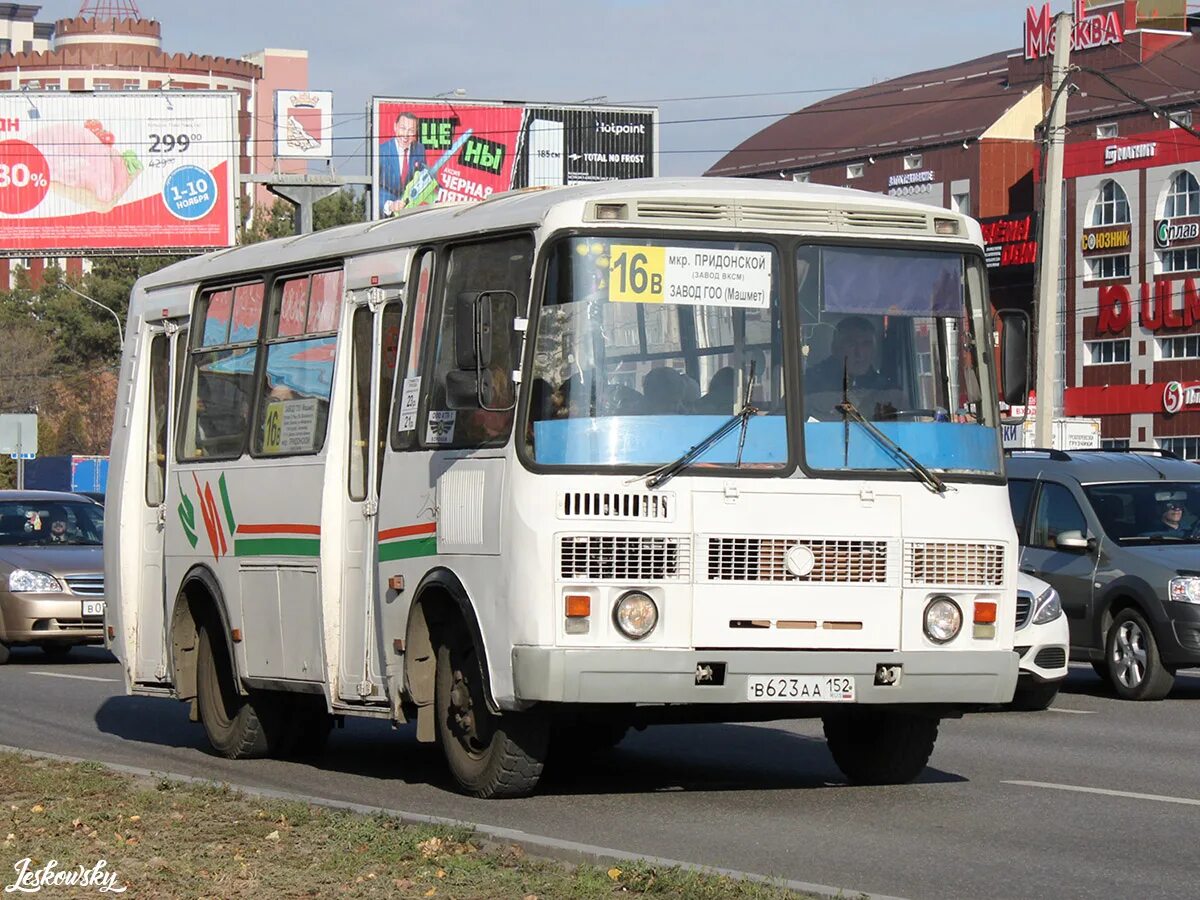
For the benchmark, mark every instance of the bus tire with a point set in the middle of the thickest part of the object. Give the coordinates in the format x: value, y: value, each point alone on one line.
x: 490, y: 756
x: 880, y: 746
x: 237, y: 727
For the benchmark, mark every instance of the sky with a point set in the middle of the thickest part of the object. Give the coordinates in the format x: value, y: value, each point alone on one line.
x: 685, y: 56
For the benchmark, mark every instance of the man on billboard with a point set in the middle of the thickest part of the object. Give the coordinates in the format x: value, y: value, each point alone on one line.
x: 400, y: 158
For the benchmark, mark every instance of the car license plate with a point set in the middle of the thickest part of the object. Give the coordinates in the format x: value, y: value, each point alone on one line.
x: 801, y: 688
x: 93, y: 608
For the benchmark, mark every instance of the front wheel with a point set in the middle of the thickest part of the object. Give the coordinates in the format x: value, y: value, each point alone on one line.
x: 1136, y: 671
x: 237, y: 727
x: 880, y: 746
x: 488, y: 755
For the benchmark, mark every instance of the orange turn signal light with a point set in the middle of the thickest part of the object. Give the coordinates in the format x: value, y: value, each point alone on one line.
x: 579, y: 606
x: 985, y: 612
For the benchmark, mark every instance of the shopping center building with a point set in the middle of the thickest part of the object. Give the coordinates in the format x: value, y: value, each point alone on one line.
x: 967, y: 137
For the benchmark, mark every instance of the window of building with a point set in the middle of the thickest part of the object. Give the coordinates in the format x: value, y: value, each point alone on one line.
x: 1112, y: 206
x: 800, y: 177
x: 1185, y: 259
x: 1182, y: 347
x: 1101, y: 353
x: 1183, y: 447
x: 5, y: 45
x: 1180, y: 118
x: 131, y: 86
x: 854, y: 171
x: 1114, y: 443
x: 961, y: 203
x: 1106, y: 130
x: 1101, y: 267
x: 101, y: 86
x: 913, y: 161
x: 1183, y: 199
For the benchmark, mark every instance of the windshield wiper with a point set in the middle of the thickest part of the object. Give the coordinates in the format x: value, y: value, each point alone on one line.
x: 1160, y: 539
x: 665, y: 473
x: 928, y: 477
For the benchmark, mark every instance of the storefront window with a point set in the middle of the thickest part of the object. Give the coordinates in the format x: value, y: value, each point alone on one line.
x: 1185, y: 259
x: 1183, y: 347
x: 1183, y: 447
x: 1106, y: 352
x: 1101, y: 267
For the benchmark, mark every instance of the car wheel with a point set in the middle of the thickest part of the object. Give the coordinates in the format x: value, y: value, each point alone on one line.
x: 57, y: 652
x: 880, y: 746
x: 4, y: 653
x: 1035, y: 697
x: 488, y: 755
x: 1136, y: 671
x: 237, y: 727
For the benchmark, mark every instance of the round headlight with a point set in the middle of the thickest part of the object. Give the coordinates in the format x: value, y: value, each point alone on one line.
x: 943, y: 620
x: 635, y: 614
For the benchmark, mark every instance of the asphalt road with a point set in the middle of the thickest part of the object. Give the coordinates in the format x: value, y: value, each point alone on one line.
x: 1094, y: 798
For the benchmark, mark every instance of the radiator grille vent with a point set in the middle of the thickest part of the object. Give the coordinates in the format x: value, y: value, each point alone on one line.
x: 1024, y: 609
x: 953, y: 564
x: 86, y: 585
x: 765, y: 559
x: 616, y: 505
x: 609, y: 557
x: 885, y: 221
x: 686, y: 209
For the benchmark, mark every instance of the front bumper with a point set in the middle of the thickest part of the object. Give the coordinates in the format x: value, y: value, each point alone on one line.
x: 641, y: 675
x: 41, y: 618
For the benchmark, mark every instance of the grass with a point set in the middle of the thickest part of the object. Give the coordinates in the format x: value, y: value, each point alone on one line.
x: 171, y: 839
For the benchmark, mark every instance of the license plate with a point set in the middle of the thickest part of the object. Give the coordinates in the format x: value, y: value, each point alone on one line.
x: 801, y: 688
x: 93, y: 608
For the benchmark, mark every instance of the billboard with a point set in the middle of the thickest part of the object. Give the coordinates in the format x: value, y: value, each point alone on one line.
x: 437, y: 151
x: 146, y: 171
x: 303, y: 124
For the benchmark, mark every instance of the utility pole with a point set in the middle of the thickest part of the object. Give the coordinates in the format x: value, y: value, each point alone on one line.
x: 1051, y: 241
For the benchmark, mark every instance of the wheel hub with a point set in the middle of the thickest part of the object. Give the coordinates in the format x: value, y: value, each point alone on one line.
x: 1129, y: 655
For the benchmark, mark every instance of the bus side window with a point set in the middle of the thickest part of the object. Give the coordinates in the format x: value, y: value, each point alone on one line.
x: 502, y: 266
x: 293, y: 400
x: 215, y: 410
x: 156, y: 435
x: 408, y: 379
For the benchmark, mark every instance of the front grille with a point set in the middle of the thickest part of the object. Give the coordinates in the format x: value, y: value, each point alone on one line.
x: 1051, y: 658
x: 616, y: 505
x: 607, y: 557
x: 765, y: 559
x: 928, y: 563
x: 1024, y: 609
x: 86, y: 585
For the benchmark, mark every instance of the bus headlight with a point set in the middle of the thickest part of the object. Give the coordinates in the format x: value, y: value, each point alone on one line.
x: 943, y: 620
x: 635, y: 615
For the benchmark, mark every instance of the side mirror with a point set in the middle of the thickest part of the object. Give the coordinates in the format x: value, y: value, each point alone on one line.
x: 1072, y: 540
x: 484, y: 345
x: 1014, y: 356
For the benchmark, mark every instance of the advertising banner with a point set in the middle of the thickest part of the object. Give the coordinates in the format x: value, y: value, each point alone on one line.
x: 83, y: 172
x: 437, y: 151
x: 303, y: 124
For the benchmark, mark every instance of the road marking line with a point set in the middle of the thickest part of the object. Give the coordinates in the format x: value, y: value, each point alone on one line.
x: 1074, y: 712
x: 1130, y: 795
x: 76, y: 677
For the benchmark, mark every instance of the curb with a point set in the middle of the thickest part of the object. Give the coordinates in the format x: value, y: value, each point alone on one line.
x: 535, y: 845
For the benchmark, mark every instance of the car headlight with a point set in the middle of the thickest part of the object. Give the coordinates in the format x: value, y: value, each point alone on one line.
x: 943, y: 620
x: 1047, y: 607
x: 22, y: 581
x: 1185, y: 589
x: 635, y: 614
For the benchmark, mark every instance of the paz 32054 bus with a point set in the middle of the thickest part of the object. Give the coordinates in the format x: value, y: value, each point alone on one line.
x: 532, y: 471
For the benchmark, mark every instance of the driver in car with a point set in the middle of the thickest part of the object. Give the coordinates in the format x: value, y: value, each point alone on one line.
x: 1170, y: 522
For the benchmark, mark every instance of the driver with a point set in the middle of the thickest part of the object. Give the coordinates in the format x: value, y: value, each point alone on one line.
x: 1170, y: 521
x: 852, y: 355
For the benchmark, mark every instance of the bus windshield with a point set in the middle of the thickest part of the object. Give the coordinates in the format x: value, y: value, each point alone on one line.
x: 644, y: 347
x: 893, y: 336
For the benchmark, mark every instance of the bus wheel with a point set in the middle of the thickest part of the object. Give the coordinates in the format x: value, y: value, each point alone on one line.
x: 880, y: 746
x: 489, y: 755
x: 237, y: 727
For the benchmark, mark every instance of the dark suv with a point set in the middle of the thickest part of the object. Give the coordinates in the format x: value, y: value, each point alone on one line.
x: 1117, y: 533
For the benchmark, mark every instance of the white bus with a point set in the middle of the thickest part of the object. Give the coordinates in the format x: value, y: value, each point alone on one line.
x: 536, y: 470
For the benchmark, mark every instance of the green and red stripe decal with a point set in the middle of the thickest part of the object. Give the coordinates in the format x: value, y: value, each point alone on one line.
x: 281, y: 539
x: 408, y: 541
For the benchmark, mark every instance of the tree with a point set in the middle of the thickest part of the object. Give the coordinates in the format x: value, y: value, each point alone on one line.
x: 278, y: 219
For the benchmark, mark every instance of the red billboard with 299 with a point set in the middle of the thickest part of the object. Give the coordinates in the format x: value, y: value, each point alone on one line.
x: 151, y: 172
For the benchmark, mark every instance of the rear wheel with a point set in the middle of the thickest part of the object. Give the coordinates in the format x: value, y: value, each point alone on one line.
x: 1034, y: 697
x: 488, y: 755
x: 1135, y: 668
x: 880, y: 746
x: 237, y: 727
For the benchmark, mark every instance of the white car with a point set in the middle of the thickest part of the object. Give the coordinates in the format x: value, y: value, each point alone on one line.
x: 1042, y: 640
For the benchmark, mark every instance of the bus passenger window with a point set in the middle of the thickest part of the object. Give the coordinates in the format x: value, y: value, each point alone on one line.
x: 293, y: 403
x: 220, y: 388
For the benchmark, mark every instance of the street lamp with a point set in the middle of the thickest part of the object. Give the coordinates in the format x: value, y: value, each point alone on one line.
x: 107, y: 309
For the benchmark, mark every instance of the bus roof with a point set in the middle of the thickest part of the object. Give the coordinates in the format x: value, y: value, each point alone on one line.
x: 530, y: 207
